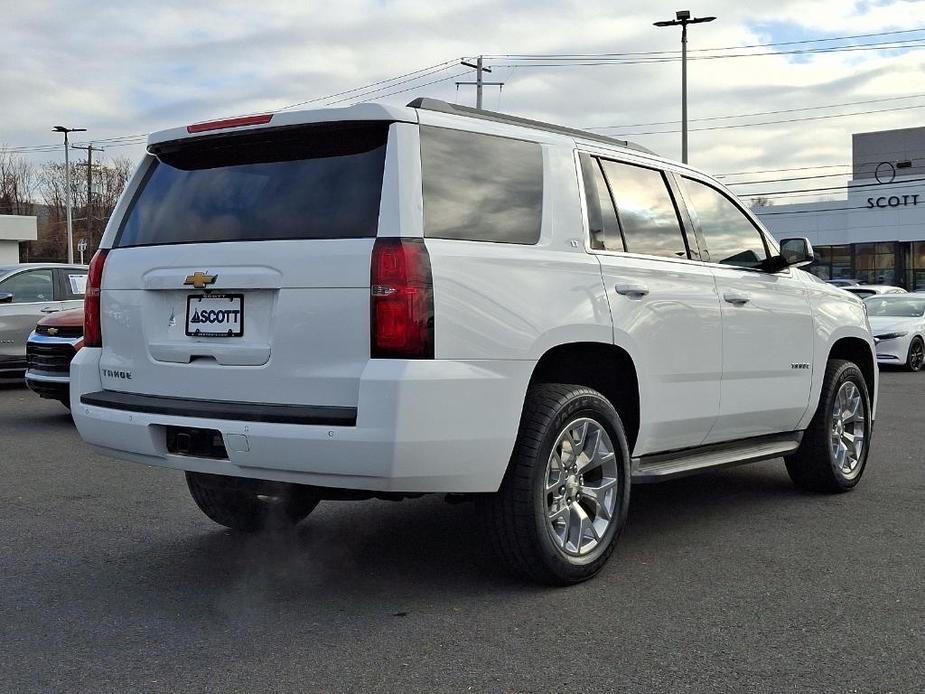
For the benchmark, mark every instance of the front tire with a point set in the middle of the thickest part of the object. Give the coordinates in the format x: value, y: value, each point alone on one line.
x: 916, y: 356
x: 564, y: 499
x: 833, y: 454
x: 249, y: 505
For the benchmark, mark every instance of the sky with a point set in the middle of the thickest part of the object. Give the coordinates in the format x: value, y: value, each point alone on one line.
x: 127, y: 68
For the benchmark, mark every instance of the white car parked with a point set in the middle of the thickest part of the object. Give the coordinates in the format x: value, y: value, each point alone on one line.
x: 380, y: 302
x: 898, y: 325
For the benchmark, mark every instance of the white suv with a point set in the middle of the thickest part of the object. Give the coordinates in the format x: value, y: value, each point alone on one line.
x: 382, y: 302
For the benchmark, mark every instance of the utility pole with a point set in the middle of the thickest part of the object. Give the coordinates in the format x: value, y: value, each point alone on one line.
x: 682, y: 19
x: 90, y: 150
x: 67, y: 187
x: 480, y: 82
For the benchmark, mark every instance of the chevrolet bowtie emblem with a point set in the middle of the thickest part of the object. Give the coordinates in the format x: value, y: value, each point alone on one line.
x: 200, y: 279
x: 52, y: 331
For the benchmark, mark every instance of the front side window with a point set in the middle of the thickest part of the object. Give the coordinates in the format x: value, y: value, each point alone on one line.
x: 31, y: 286
x: 730, y: 236
x: 647, y: 213
x: 481, y: 187
x: 602, y: 219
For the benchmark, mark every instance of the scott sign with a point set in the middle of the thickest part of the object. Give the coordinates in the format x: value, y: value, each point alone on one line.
x: 893, y: 201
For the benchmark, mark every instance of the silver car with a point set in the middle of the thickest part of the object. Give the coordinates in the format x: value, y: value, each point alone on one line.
x: 28, y: 292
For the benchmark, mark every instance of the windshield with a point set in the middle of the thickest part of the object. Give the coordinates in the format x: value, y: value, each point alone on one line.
x: 863, y: 293
x: 316, y: 182
x: 899, y: 308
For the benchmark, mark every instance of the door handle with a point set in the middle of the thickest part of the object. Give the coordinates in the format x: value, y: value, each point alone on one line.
x: 631, y: 289
x: 737, y: 298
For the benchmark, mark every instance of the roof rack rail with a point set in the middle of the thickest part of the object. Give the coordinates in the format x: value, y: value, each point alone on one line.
x: 445, y: 107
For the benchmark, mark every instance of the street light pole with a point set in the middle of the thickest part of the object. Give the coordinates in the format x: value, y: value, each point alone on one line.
x: 682, y: 19
x: 67, y: 187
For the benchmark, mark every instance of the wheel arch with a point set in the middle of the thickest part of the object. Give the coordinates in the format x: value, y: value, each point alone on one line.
x: 580, y: 363
x: 857, y: 351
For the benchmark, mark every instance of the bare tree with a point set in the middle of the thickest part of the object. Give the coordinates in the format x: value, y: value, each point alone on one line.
x: 17, y: 184
x: 40, y: 191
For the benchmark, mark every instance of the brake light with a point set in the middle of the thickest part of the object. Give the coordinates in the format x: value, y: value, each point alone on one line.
x: 229, y: 123
x: 401, y: 300
x: 93, y: 336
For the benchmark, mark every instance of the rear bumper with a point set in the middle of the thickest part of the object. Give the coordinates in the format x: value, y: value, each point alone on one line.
x: 421, y: 426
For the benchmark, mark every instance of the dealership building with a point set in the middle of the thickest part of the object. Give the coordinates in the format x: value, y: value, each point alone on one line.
x: 14, y: 229
x: 876, y: 233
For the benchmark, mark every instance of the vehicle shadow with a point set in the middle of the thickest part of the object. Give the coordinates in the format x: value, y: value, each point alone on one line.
x: 363, y: 553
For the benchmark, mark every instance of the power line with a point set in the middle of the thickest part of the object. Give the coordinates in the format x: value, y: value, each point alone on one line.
x: 899, y: 184
x: 778, y: 122
x: 797, y: 168
x: 831, y: 209
x: 911, y: 44
x: 431, y: 69
x: 661, y: 56
x: 700, y: 50
x: 387, y: 88
x: 781, y: 180
x: 759, y: 113
x: 360, y: 92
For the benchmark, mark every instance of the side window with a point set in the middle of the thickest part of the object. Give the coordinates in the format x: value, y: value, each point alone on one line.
x: 30, y: 286
x: 647, y: 213
x: 73, y: 284
x: 481, y: 187
x: 730, y: 236
x: 602, y: 219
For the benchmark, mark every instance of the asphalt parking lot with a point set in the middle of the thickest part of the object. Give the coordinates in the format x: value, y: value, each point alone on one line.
x: 112, y: 581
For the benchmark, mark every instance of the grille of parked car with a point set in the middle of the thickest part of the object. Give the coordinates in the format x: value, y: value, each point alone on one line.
x: 63, y: 331
x: 49, y: 358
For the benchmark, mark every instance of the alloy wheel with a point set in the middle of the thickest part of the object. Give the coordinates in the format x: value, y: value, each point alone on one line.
x: 849, y: 430
x: 582, y: 486
x: 916, y: 354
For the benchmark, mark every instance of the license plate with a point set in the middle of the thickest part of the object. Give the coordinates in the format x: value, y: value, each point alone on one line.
x: 215, y: 315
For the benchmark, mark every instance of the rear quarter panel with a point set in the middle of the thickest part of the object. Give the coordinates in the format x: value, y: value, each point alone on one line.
x: 513, y: 301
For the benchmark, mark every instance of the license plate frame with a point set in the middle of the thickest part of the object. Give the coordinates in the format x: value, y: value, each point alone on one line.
x: 236, y: 303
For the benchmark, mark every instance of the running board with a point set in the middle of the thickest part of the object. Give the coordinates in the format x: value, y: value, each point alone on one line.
x: 666, y: 466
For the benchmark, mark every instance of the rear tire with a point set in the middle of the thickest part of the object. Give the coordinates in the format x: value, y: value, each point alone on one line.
x: 916, y: 356
x: 564, y: 499
x: 828, y: 459
x: 250, y: 505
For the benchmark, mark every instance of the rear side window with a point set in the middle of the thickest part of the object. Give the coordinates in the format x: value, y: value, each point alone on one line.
x: 315, y: 182
x: 72, y: 284
x: 481, y: 187
x: 646, y: 211
x: 730, y: 236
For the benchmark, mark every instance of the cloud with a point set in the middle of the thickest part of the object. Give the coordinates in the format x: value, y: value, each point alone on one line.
x: 125, y: 68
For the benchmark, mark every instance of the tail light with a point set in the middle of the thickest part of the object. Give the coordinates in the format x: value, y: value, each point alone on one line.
x: 401, y: 300
x: 93, y: 336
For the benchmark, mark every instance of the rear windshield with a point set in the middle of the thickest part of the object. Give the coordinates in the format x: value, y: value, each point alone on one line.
x: 316, y: 182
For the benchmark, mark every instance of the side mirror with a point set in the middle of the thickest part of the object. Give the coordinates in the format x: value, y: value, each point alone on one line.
x: 6, y: 298
x: 797, y: 252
